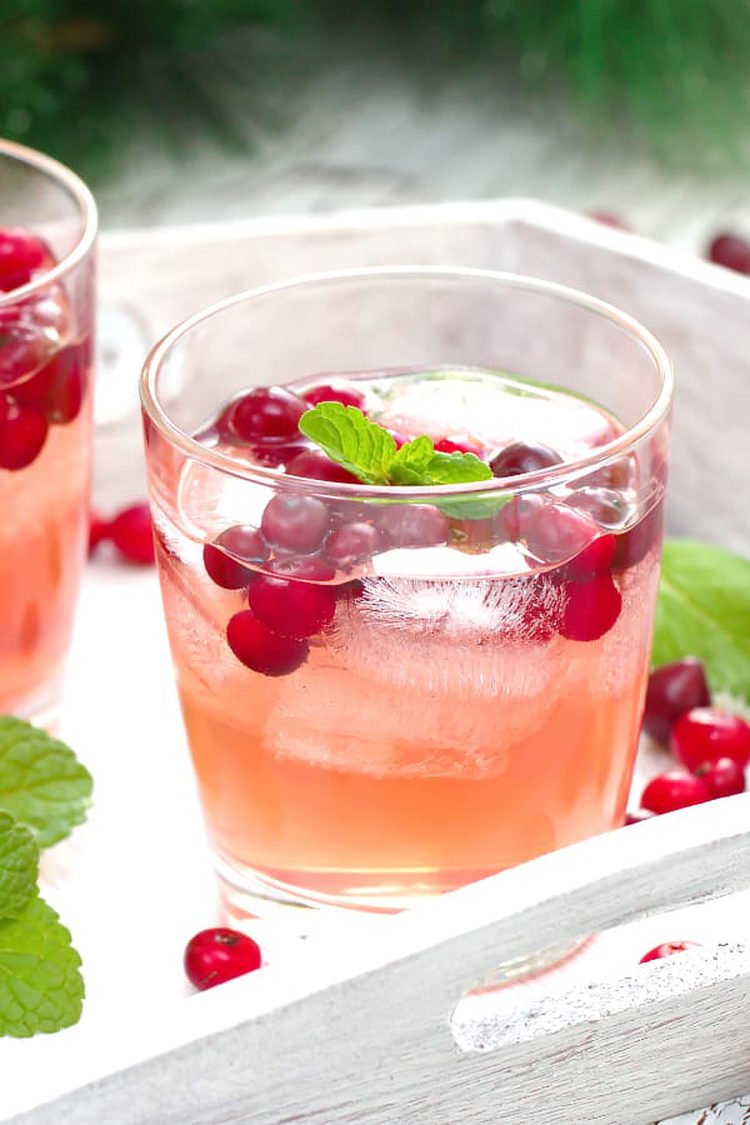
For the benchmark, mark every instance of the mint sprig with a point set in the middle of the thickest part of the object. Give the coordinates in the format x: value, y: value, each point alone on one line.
x: 369, y: 452
x: 43, y: 784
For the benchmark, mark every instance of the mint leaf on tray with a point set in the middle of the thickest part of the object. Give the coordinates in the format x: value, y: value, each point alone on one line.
x: 703, y: 610
x: 42, y: 783
x: 41, y: 988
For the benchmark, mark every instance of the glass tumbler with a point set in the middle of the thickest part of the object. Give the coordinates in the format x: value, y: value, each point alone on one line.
x: 391, y: 690
x: 47, y: 246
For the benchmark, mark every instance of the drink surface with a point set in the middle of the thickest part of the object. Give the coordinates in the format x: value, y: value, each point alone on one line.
x: 449, y: 693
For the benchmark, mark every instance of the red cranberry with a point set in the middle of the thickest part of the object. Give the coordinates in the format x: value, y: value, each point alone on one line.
x: 667, y: 949
x: 724, y: 777
x: 22, y: 255
x: 262, y: 650
x: 413, y: 525
x: 23, y: 432
x: 352, y: 543
x: 592, y: 560
x: 633, y: 545
x: 98, y: 531
x: 592, y: 608
x: 131, y: 531
x: 638, y: 816
x: 706, y: 734
x: 673, y: 790
x: 292, y: 609
x: 605, y: 506
x: 218, y: 955
x: 277, y: 456
x: 263, y: 414
x: 58, y: 388
x: 520, y: 458
x: 295, y: 523
x: 554, y: 532
x: 731, y: 252
x: 673, y: 690
x: 309, y: 568
x: 335, y: 392
x: 314, y: 465
x: 449, y: 445
x: 230, y: 573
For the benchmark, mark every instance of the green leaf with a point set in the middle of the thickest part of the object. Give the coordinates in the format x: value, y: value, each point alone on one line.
x: 418, y: 463
x: 42, y: 783
x: 409, y: 463
x: 703, y: 610
x: 41, y: 988
x: 350, y: 439
x: 19, y: 866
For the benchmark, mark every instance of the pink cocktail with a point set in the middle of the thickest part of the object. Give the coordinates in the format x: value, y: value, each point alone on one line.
x: 47, y: 232
x: 392, y: 691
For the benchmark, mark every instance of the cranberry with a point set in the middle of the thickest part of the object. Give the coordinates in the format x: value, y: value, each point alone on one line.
x: 306, y: 569
x: 98, y: 531
x: 352, y: 543
x: 731, y: 252
x: 633, y: 545
x: 335, y: 392
x: 520, y: 458
x: 449, y: 445
x: 131, y: 531
x: 414, y: 525
x: 218, y: 955
x: 673, y: 690
x: 673, y: 790
x: 292, y: 609
x: 262, y: 650
x: 277, y: 456
x: 263, y: 414
x: 554, y: 532
x: 706, y: 734
x: 606, y: 506
x: 667, y: 949
x: 592, y: 608
x: 58, y: 388
x: 23, y: 432
x: 724, y: 777
x: 638, y: 816
x: 314, y: 465
x: 22, y: 254
x: 229, y: 573
x: 295, y: 523
x: 592, y: 560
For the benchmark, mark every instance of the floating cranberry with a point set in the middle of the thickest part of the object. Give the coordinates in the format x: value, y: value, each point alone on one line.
x: 292, y: 609
x: 668, y: 949
x: 724, y: 777
x: 98, y: 531
x: 244, y: 541
x: 263, y: 414
x: 450, y: 445
x: 633, y: 545
x: 295, y: 523
x: 731, y: 252
x: 335, y: 392
x: 673, y: 690
x: 309, y: 568
x: 58, y: 388
x: 674, y: 790
x: 23, y: 432
x: 591, y: 609
x: 706, y: 734
x: 413, y: 525
x: 259, y: 648
x: 555, y: 532
x: 520, y: 458
x: 606, y: 506
x: 277, y: 456
x: 215, y: 956
x: 352, y: 543
x: 314, y: 465
x: 592, y: 560
x: 22, y: 255
x: 638, y: 816
x: 132, y: 533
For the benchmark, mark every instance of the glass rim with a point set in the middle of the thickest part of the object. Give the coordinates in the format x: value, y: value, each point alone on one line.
x: 597, y: 458
x: 83, y: 197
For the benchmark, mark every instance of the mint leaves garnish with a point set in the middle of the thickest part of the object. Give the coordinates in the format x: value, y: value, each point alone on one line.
x: 703, y: 610
x: 44, y: 785
x: 369, y: 452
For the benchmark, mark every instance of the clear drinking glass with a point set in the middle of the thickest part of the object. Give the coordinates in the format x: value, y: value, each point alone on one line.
x: 392, y: 691
x: 47, y: 238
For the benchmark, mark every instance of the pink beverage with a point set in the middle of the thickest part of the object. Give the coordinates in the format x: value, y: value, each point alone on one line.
x: 389, y: 692
x: 46, y: 351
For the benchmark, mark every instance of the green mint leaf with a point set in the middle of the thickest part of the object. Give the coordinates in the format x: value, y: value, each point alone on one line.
x: 473, y: 507
x: 42, y: 783
x: 703, y: 610
x: 41, y: 988
x: 19, y: 866
x: 350, y: 439
x: 418, y: 463
x: 410, y: 463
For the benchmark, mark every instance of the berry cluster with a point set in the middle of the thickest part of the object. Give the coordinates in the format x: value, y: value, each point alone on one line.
x: 130, y: 531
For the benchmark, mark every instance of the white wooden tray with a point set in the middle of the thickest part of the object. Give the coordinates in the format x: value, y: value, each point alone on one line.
x: 355, y: 1023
